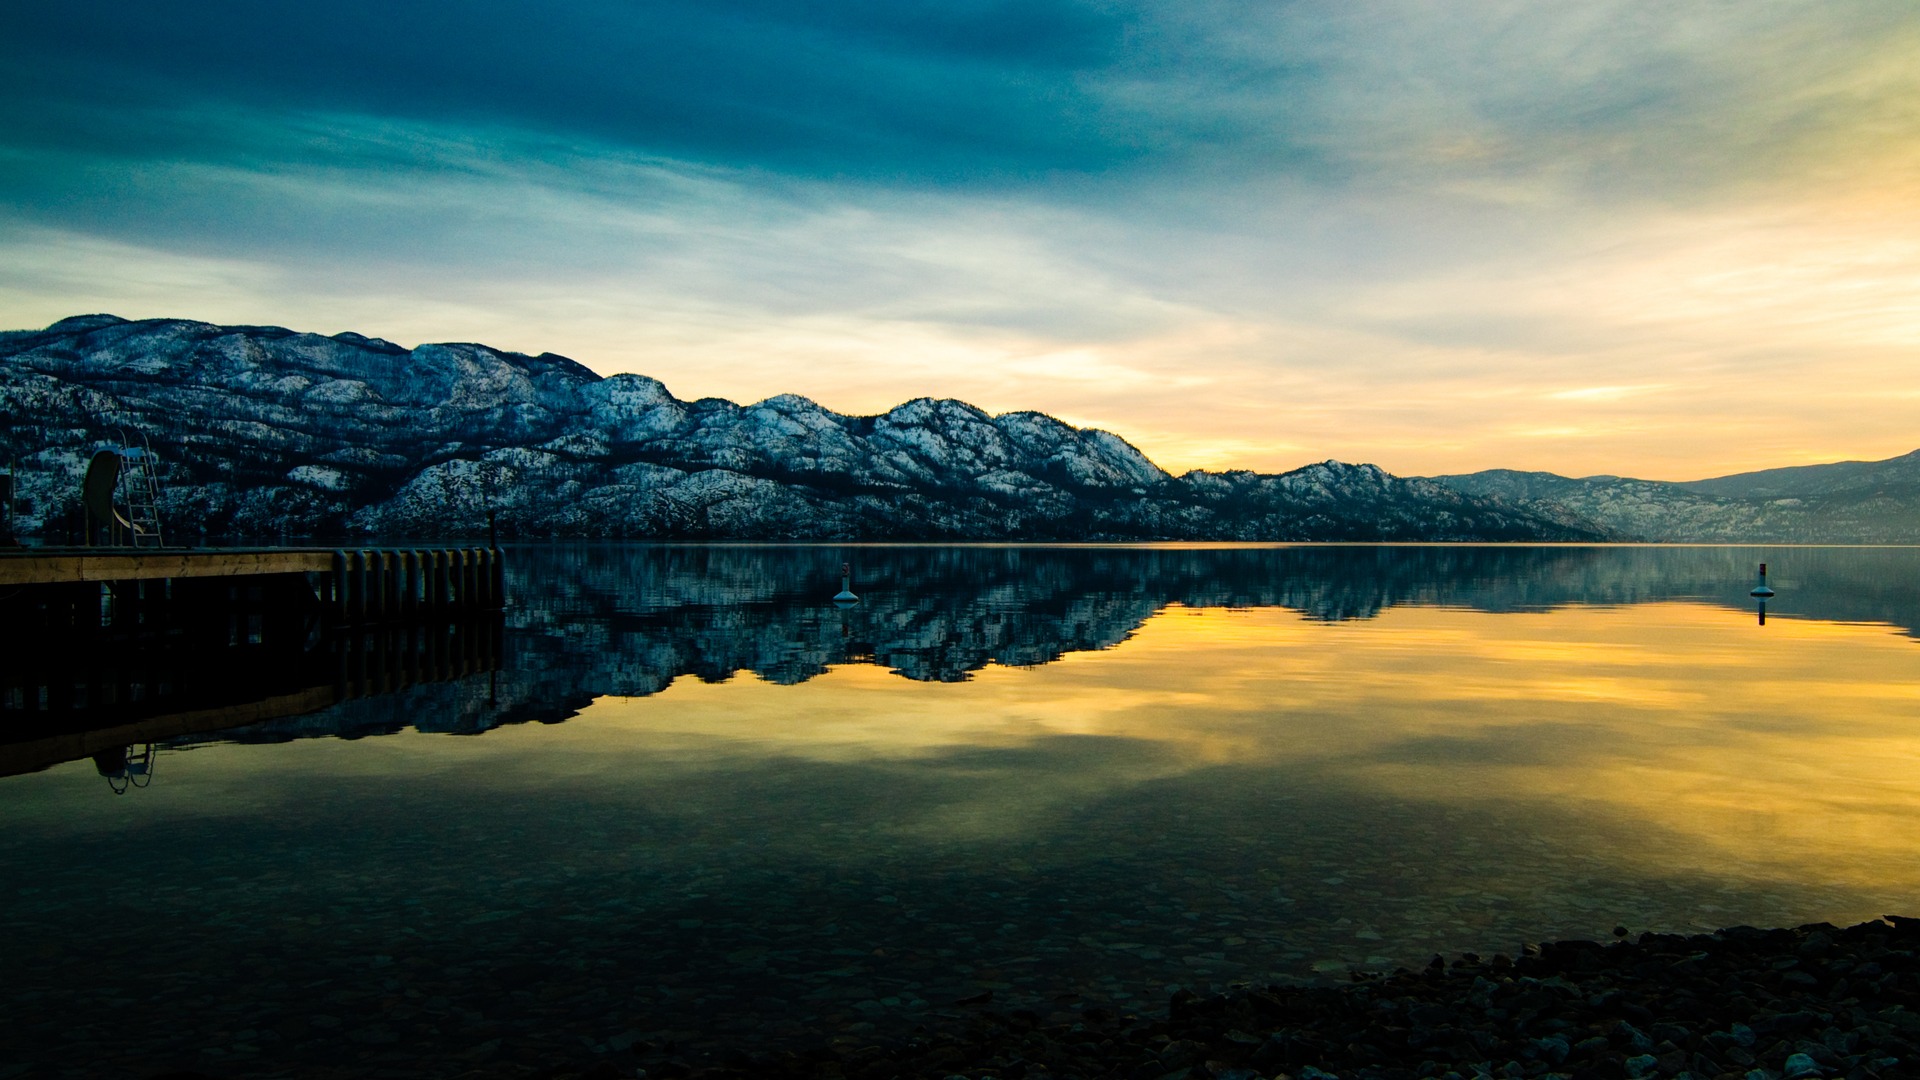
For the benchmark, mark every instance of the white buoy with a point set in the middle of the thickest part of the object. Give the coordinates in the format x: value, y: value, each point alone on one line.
x: 1761, y: 589
x: 845, y: 595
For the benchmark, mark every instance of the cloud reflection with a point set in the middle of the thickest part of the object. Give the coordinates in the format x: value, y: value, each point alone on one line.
x: 1757, y: 755
x: 1426, y: 779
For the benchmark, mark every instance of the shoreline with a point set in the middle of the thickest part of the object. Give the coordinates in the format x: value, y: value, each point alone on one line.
x: 1746, y: 1003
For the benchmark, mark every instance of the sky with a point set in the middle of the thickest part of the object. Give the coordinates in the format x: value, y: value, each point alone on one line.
x: 1661, y: 239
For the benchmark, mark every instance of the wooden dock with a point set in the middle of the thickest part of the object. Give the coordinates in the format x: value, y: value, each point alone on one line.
x: 50, y: 566
x: 356, y: 586
x: 105, y: 646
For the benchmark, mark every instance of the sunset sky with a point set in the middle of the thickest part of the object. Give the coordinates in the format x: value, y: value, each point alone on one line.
x: 1669, y: 240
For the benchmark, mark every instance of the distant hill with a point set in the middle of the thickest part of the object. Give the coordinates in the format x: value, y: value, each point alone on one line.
x: 267, y: 432
x: 1898, y: 476
x: 1847, y: 502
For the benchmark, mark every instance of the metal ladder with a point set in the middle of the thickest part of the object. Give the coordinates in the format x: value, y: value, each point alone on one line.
x: 140, y: 490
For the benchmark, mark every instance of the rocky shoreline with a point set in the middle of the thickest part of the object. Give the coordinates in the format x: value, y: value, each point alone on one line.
x: 1814, y: 1001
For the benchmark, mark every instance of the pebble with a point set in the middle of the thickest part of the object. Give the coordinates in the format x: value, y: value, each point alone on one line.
x: 1663, y: 1005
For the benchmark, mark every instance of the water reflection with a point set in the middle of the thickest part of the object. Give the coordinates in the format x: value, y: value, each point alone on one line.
x: 83, y: 696
x: 126, y: 767
x: 1032, y: 772
x: 1665, y: 720
x: 939, y: 614
x: 630, y: 620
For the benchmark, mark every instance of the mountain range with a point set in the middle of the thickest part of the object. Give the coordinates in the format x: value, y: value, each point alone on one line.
x: 265, y: 432
x: 1847, y: 502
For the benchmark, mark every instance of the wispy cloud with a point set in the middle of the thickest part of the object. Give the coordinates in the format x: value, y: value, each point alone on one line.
x: 1613, y: 237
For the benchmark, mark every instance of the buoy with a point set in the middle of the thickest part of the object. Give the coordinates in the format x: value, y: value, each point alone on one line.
x: 845, y: 595
x: 1761, y: 589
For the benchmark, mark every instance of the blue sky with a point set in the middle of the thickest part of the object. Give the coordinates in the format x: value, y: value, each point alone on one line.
x: 1660, y: 239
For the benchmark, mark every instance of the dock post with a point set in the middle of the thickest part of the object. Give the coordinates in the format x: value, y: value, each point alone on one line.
x: 422, y: 590
x: 403, y: 584
x: 382, y: 580
x: 350, y: 590
x: 388, y: 592
x: 370, y: 561
x: 390, y: 580
x: 397, y: 576
x: 442, y: 567
x: 341, y: 611
x: 397, y: 585
x: 477, y: 581
x: 482, y: 579
x: 357, y: 575
x: 497, y: 593
x: 459, y: 576
x: 463, y: 570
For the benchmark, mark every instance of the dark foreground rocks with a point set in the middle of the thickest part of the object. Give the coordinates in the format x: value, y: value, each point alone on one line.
x: 1816, y: 1001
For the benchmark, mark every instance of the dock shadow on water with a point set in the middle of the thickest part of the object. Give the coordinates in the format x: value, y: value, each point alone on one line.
x: 706, y: 806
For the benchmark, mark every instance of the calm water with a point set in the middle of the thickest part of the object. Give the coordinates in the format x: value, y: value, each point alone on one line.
x: 697, y: 801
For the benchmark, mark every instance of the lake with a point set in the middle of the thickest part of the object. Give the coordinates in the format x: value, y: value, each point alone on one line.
x: 689, y: 799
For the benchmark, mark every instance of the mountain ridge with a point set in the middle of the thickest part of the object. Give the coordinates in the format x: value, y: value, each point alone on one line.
x: 1842, y: 502
x: 1804, y: 480
x: 271, y: 431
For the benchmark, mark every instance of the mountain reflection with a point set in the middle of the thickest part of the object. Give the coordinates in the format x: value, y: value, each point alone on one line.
x: 628, y: 620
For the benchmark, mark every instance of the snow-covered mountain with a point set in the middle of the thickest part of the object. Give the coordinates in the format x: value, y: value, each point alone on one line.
x: 1847, y: 502
x: 267, y: 432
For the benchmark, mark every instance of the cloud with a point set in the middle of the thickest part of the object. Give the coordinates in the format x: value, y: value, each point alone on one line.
x: 1494, y: 101
x: 1394, y: 231
x: 888, y: 89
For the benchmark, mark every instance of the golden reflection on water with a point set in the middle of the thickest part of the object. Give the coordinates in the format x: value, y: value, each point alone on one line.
x: 1789, y: 752
x: 1556, y: 751
x: 1249, y: 791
